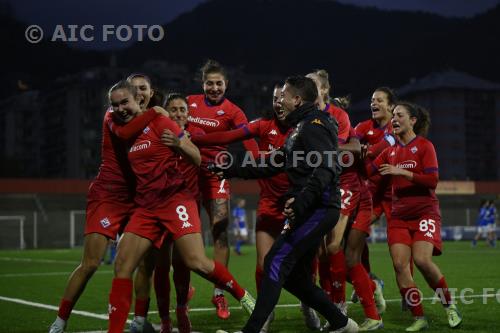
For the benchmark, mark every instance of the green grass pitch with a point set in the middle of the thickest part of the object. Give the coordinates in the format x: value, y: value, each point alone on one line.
x: 39, y: 277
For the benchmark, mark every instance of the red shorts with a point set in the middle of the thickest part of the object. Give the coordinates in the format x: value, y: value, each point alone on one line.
x: 211, y: 187
x: 426, y: 228
x: 362, y: 220
x: 178, y: 217
x: 349, y: 199
x: 270, y: 217
x: 107, y: 218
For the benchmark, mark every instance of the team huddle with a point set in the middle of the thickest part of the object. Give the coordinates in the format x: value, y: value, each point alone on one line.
x: 159, y: 166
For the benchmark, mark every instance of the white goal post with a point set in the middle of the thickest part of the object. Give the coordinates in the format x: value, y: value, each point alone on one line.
x: 72, y: 216
x: 21, y: 219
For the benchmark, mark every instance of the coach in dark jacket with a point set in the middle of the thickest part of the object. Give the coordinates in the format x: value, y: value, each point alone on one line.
x: 312, y: 205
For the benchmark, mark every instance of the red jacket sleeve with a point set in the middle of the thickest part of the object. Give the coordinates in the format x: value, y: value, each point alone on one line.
x: 372, y: 167
x: 162, y: 123
x: 430, y: 176
x: 239, y: 120
x: 133, y: 127
x: 374, y: 150
x: 223, y: 138
x: 344, y: 126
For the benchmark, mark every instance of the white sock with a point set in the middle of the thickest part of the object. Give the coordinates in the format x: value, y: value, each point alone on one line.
x: 60, y: 322
x: 218, y: 292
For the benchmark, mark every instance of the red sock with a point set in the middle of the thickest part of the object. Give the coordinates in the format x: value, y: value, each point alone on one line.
x: 315, y: 269
x: 325, y: 278
x: 141, y: 307
x: 338, y: 271
x: 162, y: 290
x: 119, y: 304
x: 413, y: 299
x: 361, y: 282
x: 65, y: 308
x: 259, y: 273
x: 182, y: 279
x: 441, y: 289
x: 365, y: 259
x: 222, y: 277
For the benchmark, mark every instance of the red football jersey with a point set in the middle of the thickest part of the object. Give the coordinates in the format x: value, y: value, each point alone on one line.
x: 410, y: 200
x: 155, y: 165
x: 188, y: 169
x: 216, y: 118
x: 272, y: 136
x: 349, y: 176
x: 369, y: 132
x: 344, y: 124
x: 115, y: 180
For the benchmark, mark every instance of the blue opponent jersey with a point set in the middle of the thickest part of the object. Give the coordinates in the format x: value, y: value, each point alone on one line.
x: 491, y: 214
x: 481, y: 219
x: 239, y: 216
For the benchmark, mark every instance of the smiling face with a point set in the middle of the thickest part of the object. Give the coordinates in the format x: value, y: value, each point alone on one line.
x: 143, y: 90
x: 214, y: 86
x: 178, y: 111
x: 402, y: 122
x: 125, y: 106
x: 278, y: 110
x: 380, y: 106
x: 289, y: 101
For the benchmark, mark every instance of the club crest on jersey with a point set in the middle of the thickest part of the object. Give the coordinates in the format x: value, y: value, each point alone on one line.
x: 414, y: 149
x: 370, y: 132
x: 220, y: 112
x: 146, y: 130
x: 194, y: 105
x: 317, y: 121
x: 392, y: 153
x: 410, y: 164
x: 105, y: 222
x: 140, y: 146
x: 273, y: 132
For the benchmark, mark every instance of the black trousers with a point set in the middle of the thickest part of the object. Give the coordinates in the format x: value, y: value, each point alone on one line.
x: 288, y: 265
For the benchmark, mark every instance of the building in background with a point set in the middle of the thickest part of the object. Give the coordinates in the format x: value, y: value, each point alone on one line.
x: 56, y: 132
x: 465, y: 114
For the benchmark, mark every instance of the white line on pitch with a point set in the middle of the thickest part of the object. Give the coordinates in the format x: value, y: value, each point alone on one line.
x: 349, y: 302
x: 44, y: 261
x: 55, y: 308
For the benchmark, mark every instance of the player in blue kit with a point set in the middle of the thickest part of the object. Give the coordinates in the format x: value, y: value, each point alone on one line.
x: 240, y: 225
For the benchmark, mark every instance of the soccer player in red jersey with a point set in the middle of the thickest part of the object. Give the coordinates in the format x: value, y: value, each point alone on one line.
x: 148, y: 97
x: 165, y: 207
x: 109, y: 206
x: 415, y: 227
x: 212, y: 112
x: 375, y: 133
x: 176, y: 105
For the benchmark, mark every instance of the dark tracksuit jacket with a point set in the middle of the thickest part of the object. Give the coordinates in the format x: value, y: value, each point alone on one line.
x: 307, y: 158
